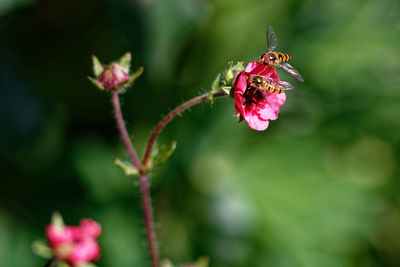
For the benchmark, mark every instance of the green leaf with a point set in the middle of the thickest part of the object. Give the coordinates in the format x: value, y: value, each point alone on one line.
x: 97, y: 66
x: 127, y: 167
x: 125, y: 62
x: 57, y: 220
x: 41, y: 249
x: 162, y: 153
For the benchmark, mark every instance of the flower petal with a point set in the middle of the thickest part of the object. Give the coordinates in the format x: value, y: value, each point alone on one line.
x: 90, y: 228
x: 241, y: 84
x: 84, y: 251
x: 253, y: 120
x: 58, y: 235
x: 273, y: 103
x: 258, y: 68
x: 251, y: 66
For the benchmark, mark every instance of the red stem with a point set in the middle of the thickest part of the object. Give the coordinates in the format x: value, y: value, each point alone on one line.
x: 160, y: 126
x: 148, y: 220
x: 124, y: 133
x: 144, y: 185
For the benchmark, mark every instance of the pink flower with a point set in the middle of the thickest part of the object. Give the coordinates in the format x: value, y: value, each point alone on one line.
x: 75, y: 244
x: 257, y: 107
x: 85, y: 250
x: 58, y: 235
x: 90, y: 228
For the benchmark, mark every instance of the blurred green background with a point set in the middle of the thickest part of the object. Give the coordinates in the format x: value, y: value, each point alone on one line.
x: 318, y: 188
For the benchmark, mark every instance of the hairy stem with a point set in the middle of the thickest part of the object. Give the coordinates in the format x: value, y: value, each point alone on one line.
x: 148, y: 220
x: 144, y: 185
x: 124, y: 133
x: 160, y: 126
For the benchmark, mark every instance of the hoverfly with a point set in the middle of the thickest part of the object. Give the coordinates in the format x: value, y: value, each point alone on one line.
x: 277, y: 59
x: 261, y: 83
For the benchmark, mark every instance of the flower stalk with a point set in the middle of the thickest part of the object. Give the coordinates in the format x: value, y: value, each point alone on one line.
x: 144, y: 184
x: 123, y: 131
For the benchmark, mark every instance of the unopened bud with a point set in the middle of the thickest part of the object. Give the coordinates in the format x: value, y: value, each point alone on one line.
x: 114, y: 76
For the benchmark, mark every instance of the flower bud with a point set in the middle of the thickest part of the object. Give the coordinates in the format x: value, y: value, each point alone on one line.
x: 226, y: 79
x: 114, y: 76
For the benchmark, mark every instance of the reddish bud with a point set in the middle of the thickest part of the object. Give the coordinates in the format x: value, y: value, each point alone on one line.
x: 112, y: 76
x: 115, y: 76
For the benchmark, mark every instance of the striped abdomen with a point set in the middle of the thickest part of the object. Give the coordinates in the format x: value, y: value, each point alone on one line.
x: 272, y: 87
x: 261, y: 83
x: 279, y: 57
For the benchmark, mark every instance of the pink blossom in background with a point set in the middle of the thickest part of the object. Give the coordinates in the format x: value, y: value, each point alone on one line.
x: 90, y: 228
x: 85, y: 250
x: 58, y: 235
x: 257, y: 107
x: 75, y: 244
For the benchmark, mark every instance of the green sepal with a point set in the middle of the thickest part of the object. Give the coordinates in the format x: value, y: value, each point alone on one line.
x: 133, y: 77
x: 41, y: 249
x: 127, y: 167
x: 229, y: 73
x: 216, y: 83
x: 57, y: 220
x: 96, y: 83
x: 239, y: 66
x: 97, y: 66
x: 162, y: 153
x: 224, y: 79
x: 226, y: 89
x: 125, y: 61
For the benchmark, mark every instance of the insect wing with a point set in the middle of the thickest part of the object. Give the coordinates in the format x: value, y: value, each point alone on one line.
x: 285, y: 85
x: 292, y: 71
x: 279, y: 85
x: 272, y: 41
